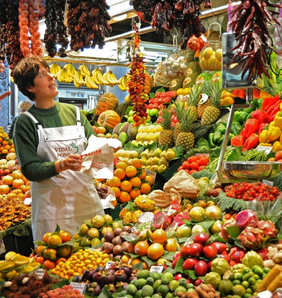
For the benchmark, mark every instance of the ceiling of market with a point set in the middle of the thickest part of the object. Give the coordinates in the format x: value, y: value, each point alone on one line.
x: 117, y: 47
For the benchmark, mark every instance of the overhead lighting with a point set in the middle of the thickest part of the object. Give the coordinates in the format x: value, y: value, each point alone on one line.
x: 120, y: 17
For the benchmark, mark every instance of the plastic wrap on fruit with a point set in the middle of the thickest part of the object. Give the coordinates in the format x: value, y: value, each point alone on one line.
x: 251, y: 259
x: 220, y: 265
x: 277, y: 293
x: 251, y: 238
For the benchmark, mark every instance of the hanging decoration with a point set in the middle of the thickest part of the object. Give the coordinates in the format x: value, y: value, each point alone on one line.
x: 136, y: 84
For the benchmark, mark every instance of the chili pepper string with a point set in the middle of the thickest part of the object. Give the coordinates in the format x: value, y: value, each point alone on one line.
x: 136, y: 83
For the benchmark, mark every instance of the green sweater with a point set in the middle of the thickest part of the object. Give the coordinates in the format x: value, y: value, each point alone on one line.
x: 26, y: 139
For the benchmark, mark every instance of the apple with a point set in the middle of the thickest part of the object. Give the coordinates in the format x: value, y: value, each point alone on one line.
x: 8, y: 180
x: 4, y: 189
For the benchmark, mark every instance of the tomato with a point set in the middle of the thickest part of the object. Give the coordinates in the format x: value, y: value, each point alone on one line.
x: 195, y: 249
x: 178, y: 276
x: 189, y: 264
x: 201, y: 238
x: 186, y: 165
x: 210, y: 264
x: 221, y: 247
x: 192, y: 159
x: 226, y: 257
x: 198, y: 281
x: 180, y: 168
x: 184, y: 251
x: 201, y: 268
x: 201, y: 168
x: 194, y: 165
x: 203, y: 161
x: 210, y: 251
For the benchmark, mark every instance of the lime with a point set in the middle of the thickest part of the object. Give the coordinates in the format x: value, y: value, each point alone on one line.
x: 239, y: 290
x: 238, y: 276
x: 245, y: 284
x: 249, y: 291
x: 246, y: 276
x: 247, y: 295
x: 251, y: 273
x: 255, y: 276
x: 232, y: 276
x: 258, y: 271
x: 255, y: 286
x: 236, y: 282
x: 264, y: 275
x: 252, y: 281
x: 245, y: 270
x: 266, y: 269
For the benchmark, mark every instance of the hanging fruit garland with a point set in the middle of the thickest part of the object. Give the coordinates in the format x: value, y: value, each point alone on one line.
x: 136, y: 83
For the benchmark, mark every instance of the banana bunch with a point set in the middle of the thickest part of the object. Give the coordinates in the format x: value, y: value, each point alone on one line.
x: 227, y: 98
x: 70, y: 70
x: 14, y: 264
x: 98, y: 77
x: 64, y: 77
x: 110, y: 78
x: 84, y: 70
x: 54, y: 69
x: 122, y: 82
x: 89, y: 80
x: 78, y: 79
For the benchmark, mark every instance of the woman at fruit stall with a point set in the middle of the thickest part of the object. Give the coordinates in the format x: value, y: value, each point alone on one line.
x: 49, y: 139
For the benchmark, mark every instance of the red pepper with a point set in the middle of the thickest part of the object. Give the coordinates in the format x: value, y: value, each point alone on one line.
x: 272, y: 111
x: 237, y: 141
x: 260, y: 115
x: 251, y: 126
x: 269, y: 102
x: 251, y: 142
x: 262, y: 126
x: 239, y: 93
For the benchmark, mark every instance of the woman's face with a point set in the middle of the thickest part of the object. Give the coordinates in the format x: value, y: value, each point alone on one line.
x: 44, y: 85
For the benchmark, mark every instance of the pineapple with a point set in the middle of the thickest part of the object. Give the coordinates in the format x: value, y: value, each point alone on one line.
x: 186, y: 138
x: 166, y: 135
x: 212, y: 113
x: 206, y: 89
x: 179, y: 108
x: 193, y: 99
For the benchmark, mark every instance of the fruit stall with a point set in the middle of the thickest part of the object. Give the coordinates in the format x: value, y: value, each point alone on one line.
x: 193, y: 208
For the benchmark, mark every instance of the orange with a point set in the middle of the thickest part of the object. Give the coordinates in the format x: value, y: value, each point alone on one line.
x: 64, y: 251
x: 134, y: 261
x: 65, y: 236
x: 126, y: 186
x: 121, y: 165
x: 60, y: 260
x: 130, y: 171
x: 145, y: 188
x: 114, y: 182
x: 124, y: 197
x: 125, y: 259
x: 54, y: 240
x: 134, y: 193
x: 136, y: 162
x: 136, y: 182
x: 116, y: 190
x: 39, y: 259
x: 155, y: 251
x: 40, y: 249
x: 49, y: 264
x: 171, y: 245
x: 46, y: 236
x: 159, y: 236
x: 50, y: 254
x: 142, y: 174
x: 120, y: 173
x: 149, y: 179
x: 141, y: 248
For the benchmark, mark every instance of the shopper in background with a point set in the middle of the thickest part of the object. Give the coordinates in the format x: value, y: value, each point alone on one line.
x: 49, y: 139
x: 23, y: 106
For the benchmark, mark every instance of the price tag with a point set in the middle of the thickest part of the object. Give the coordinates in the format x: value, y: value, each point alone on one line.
x: 157, y: 269
x: 151, y: 173
x: 265, y: 294
x: 267, y: 182
x: 108, y: 264
x: 27, y: 201
x: 39, y: 273
x: 81, y: 287
x: 204, y: 98
x: 266, y: 149
x: 202, y: 154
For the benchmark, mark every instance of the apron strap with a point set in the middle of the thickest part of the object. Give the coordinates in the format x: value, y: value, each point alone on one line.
x: 78, y: 116
x: 39, y: 126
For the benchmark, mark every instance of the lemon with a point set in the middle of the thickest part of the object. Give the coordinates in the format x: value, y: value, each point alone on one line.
x: 208, y: 52
x: 211, y: 63
x: 179, y: 91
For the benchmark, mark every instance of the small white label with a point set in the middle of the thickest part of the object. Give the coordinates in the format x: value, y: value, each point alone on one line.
x: 108, y: 264
x: 265, y: 294
x: 81, y: 287
x: 157, y: 269
x: 202, y: 154
x: 151, y: 173
x: 39, y: 273
x: 27, y: 201
x: 267, y: 182
x: 203, y: 99
x: 266, y: 149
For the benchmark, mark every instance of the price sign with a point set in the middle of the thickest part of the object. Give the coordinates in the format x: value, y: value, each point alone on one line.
x: 266, y: 149
x: 202, y: 154
x: 108, y: 264
x: 151, y: 173
x: 39, y: 273
x: 267, y: 182
x: 265, y: 294
x: 81, y: 287
x: 157, y: 269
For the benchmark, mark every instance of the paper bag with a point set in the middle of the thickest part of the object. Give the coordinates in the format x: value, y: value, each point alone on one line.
x: 99, y: 157
x: 183, y: 183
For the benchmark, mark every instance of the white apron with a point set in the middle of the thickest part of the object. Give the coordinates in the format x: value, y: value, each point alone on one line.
x: 69, y: 198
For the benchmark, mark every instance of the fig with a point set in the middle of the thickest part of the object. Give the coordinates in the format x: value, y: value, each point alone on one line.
x: 117, y: 231
x: 127, y: 229
x: 117, y: 250
x: 117, y: 241
x: 109, y: 236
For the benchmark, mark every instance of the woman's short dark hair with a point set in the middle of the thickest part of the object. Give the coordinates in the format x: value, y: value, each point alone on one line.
x: 25, y: 72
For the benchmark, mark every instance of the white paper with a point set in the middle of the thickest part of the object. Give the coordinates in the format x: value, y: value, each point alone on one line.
x: 99, y: 157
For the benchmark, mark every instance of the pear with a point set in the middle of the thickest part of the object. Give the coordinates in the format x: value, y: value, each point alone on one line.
x: 155, y: 160
x: 154, y: 168
x: 162, y: 161
x: 158, y: 152
x: 161, y: 169
x: 170, y: 154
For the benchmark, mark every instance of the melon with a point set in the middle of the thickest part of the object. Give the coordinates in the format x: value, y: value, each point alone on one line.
x: 247, y: 218
x: 175, y: 84
x: 217, y: 77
